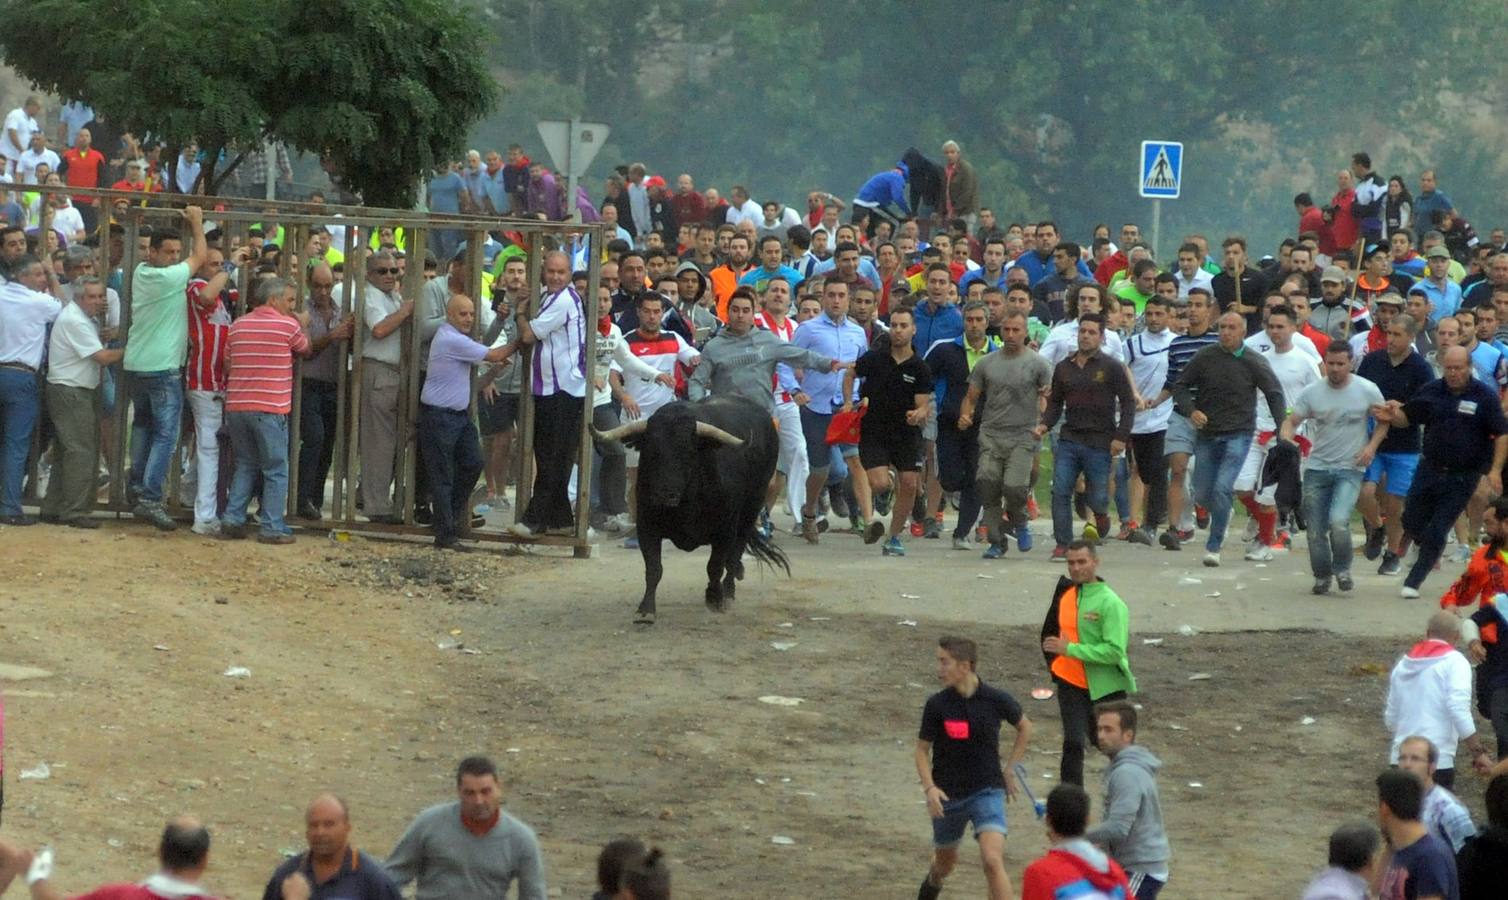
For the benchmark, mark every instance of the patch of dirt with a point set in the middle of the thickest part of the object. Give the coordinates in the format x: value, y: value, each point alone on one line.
x: 374, y: 667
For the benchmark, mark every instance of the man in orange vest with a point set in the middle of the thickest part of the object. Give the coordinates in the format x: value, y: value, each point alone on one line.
x: 1084, y: 641
x: 726, y: 276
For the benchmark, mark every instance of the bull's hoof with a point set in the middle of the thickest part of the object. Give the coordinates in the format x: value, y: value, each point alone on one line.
x: 738, y: 570
x: 715, y: 599
x: 644, y: 616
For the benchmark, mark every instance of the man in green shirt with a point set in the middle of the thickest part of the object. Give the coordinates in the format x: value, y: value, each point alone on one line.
x: 1140, y: 286
x: 155, y: 353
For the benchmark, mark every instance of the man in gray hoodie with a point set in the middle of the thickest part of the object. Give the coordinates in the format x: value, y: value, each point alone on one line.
x: 1132, y: 831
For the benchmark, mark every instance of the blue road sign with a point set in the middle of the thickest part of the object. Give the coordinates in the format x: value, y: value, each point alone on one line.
x: 1161, y: 169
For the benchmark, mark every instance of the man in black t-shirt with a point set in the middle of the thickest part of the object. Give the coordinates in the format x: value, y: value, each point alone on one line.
x: 958, y: 761
x: 897, y: 390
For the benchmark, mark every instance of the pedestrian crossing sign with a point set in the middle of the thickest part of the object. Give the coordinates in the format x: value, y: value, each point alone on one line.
x: 1161, y: 169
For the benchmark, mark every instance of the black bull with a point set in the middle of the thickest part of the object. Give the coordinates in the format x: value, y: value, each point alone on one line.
x: 703, y: 471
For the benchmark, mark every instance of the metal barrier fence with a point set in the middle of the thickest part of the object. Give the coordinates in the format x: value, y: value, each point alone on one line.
x: 235, y: 217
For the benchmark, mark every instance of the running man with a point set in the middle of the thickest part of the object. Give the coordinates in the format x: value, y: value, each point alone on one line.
x: 958, y: 761
x: 897, y: 390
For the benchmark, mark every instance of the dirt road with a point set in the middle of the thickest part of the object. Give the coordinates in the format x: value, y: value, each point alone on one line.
x: 373, y: 667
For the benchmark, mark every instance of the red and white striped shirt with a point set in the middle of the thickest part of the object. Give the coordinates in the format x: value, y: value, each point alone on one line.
x: 208, y: 327
x: 785, y: 330
x: 260, y: 350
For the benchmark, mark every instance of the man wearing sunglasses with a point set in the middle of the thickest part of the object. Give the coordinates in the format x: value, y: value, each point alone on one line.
x: 384, y: 313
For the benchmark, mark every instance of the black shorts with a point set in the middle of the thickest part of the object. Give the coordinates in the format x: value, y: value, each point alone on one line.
x: 898, y: 447
x: 497, y: 415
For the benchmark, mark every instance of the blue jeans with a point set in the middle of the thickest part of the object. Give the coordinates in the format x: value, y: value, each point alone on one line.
x: 19, y: 407
x: 985, y: 809
x: 158, y: 400
x: 1069, y: 459
x: 1123, y: 489
x: 1329, y: 498
x: 1217, y: 462
x: 453, y: 454
x: 260, y: 442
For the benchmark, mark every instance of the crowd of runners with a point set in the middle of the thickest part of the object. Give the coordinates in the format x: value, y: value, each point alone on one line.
x: 926, y: 360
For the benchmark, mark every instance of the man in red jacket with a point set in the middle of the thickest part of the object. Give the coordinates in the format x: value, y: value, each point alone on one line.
x: 1073, y: 867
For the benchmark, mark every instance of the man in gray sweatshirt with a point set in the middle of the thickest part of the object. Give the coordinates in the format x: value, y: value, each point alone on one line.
x: 1132, y: 831
x: 741, y: 359
x: 469, y: 847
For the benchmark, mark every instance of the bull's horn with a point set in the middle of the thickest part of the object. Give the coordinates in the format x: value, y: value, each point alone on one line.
x: 708, y: 430
x: 622, y: 431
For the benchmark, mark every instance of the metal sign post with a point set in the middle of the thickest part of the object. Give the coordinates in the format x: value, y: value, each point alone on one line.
x: 1160, y: 178
x: 572, y: 145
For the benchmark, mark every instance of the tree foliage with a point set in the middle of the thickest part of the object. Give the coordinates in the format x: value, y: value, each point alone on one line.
x: 382, y: 90
x: 1050, y: 100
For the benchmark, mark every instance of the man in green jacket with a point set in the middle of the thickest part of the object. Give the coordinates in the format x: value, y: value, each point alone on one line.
x: 1084, y: 642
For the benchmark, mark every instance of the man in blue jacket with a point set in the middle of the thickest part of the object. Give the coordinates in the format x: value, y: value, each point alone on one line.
x: 1038, y: 262
x: 883, y: 196
x: 958, y: 449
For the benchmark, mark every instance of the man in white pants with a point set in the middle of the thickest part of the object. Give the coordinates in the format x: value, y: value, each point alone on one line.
x: 204, y: 381
x: 792, y: 467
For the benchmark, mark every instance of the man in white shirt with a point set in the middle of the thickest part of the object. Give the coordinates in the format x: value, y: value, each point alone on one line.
x: 29, y: 302
x: 1147, y: 357
x: 558, y: 379
x: 188, y: 169
x: 384, y: 312
x: 742, y: 208
x: 1295, y: 369
x: 15, y: 135
x: 74, y: 357
x: 1190, y: 272
x: 37, y: 152
x: 1260, y: 341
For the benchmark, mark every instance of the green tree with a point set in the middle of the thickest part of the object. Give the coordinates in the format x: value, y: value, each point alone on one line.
x: 381, y: 90
x: 1050, y: 100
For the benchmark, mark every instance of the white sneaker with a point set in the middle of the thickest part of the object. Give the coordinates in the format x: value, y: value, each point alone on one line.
x: 623, y: 522
x: 1250, y: 534
x: 1258, y: 552
x: 1212, y: 560
x: 210, y: 528
x: 519, y: 529
x: 1408, y: 593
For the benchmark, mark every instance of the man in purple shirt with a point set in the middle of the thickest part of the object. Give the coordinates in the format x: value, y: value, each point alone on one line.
x: 450, y: 447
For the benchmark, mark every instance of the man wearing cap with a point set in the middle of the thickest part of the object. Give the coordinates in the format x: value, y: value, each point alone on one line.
x: 1378, y: 277
x: 1385, y: 307
x: 1443, y: 292
x: 1336, y: 315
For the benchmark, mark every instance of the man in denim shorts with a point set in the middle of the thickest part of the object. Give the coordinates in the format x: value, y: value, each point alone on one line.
x: 958, y: 760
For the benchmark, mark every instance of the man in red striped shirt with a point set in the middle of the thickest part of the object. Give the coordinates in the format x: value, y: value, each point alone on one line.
x: 204, y: 378
x: 259, y: 395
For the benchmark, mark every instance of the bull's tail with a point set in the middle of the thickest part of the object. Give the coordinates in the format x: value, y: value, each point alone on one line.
x: 765, y: 551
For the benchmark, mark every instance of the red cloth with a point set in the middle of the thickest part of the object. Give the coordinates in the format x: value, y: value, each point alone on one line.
x: 844, y: 427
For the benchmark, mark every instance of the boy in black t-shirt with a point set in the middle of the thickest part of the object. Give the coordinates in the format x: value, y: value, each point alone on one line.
x: 958, y: 760
x: 898, y: 392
